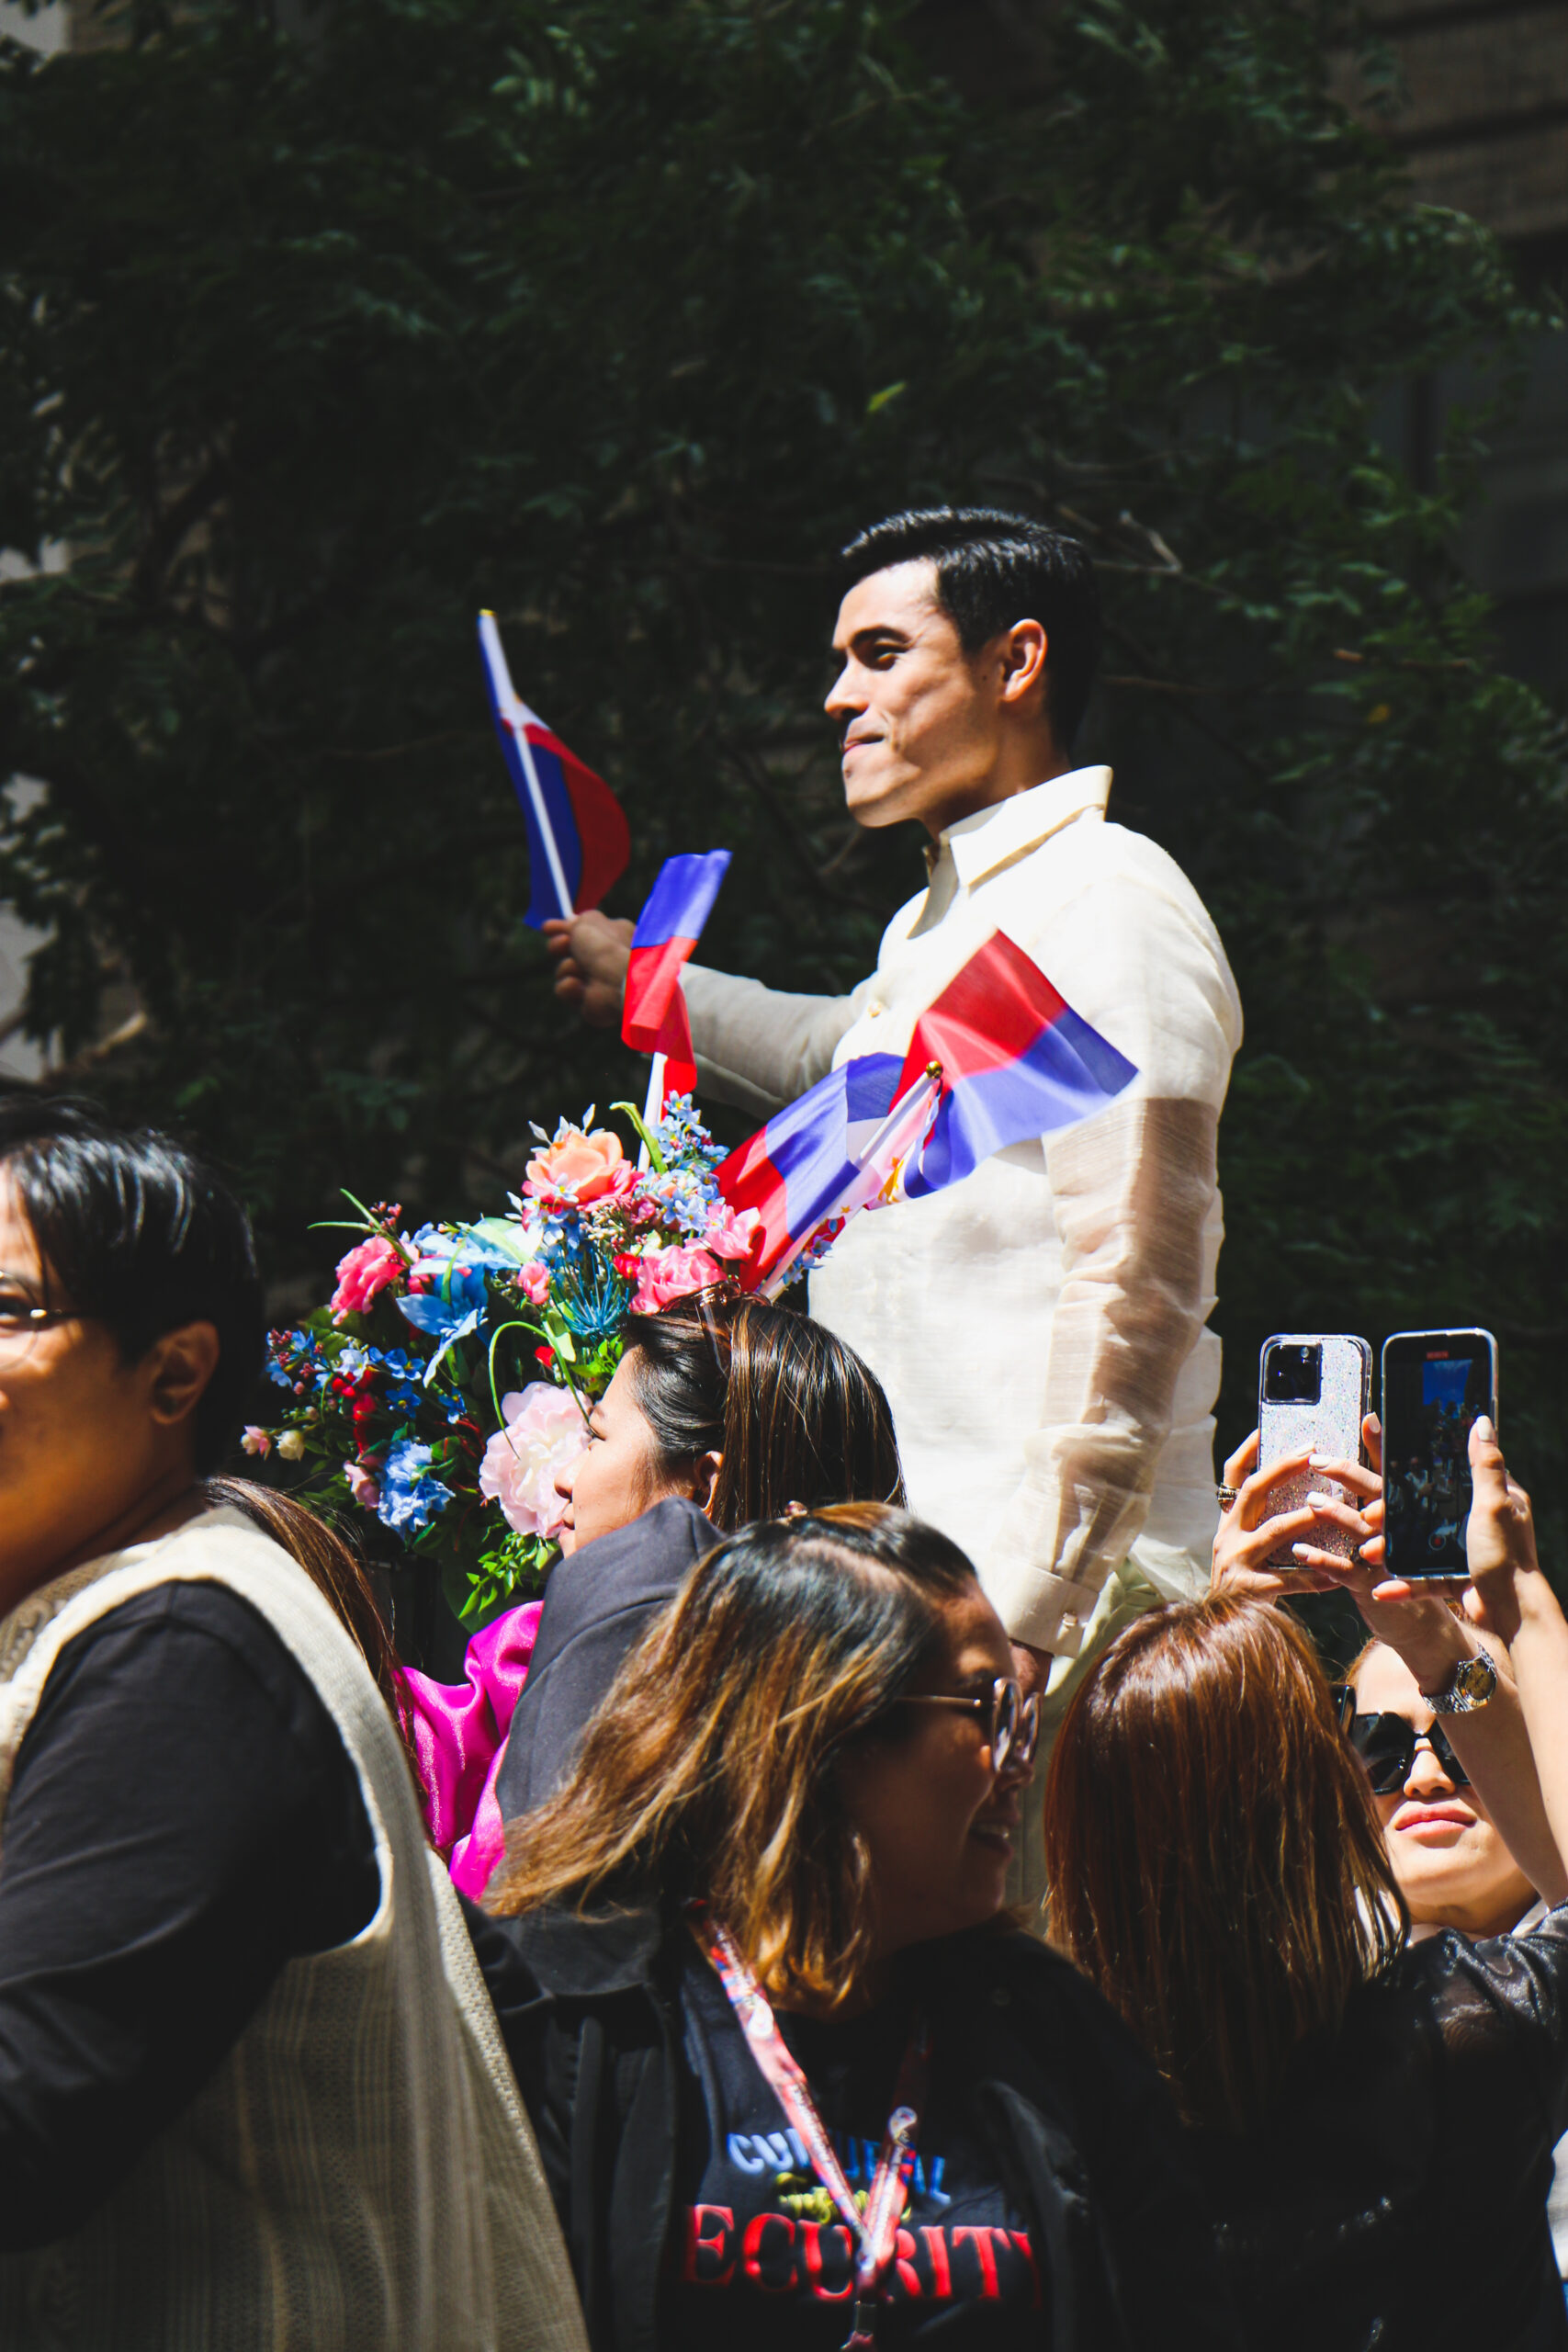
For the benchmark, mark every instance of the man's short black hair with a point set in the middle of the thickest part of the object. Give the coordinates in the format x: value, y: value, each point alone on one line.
x: 994, y: 569
x: 134, y: 1229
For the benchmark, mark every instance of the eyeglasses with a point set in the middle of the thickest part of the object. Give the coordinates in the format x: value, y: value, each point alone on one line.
x: 22, y: 1317
x: 1386, y: 1745
x: 1011, y: 1722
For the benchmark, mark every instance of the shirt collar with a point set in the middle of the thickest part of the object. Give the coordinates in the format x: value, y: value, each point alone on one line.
x: 978, y: 844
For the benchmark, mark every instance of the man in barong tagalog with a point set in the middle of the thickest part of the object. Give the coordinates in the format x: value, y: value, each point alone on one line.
x: 1039, y: 1327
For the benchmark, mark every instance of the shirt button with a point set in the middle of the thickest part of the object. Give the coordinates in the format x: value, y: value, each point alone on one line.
x: 1000, y: 1997
x: 873, y: 1008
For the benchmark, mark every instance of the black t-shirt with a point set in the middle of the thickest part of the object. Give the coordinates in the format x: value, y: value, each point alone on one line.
x: 759, y: 2256
x: 184, y: 1819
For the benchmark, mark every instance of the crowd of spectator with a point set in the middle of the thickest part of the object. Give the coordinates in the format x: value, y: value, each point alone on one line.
x: 728, y: 2032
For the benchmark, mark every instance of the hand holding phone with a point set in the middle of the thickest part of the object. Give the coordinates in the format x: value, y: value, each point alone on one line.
x: 1312, y: 1396
x: 1435, y: 1385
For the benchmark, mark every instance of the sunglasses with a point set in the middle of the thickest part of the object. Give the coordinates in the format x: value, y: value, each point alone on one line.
x: 1011, y: 1722
x: 1386, y: 1745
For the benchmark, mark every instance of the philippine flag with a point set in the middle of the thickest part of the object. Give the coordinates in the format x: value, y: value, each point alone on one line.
x: 1016, y: 1061
x: 667, y: 931
x: 1001, y: 1057
x: 794, y: 1171
x: 578, y: 837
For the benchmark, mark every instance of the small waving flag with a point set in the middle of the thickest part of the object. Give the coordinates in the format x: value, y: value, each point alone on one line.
x: 667, y: 931
x: 578, y: 837
x: 1017, y: 1062
x: 794, y: 1170
x: 998, y: 1058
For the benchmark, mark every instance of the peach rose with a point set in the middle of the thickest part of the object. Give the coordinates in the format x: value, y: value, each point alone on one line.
x: 579, y: 1168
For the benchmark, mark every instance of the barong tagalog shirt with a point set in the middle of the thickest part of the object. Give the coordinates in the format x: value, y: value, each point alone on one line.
x: 1039, y: 1328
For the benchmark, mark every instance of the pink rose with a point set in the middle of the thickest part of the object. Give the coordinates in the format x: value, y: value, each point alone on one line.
x: 366, y: 1270
x: 362, y: 1486
x: 673, y: 1274
x: 535, y: 1281
x: 580, y: 1169
x: 732, y: 1235
x: 255, y: 1440
x: 544, y: 1431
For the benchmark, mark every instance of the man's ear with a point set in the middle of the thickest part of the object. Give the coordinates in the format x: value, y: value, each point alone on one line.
x: 704, y: 1479
x: 178, y: 1367
x: 1024, y: 649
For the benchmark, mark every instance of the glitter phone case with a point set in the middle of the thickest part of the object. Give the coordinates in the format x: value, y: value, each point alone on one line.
x: 1329, y: 1422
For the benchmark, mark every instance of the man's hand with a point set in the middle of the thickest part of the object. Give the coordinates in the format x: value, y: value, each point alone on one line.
x: 591, y: 953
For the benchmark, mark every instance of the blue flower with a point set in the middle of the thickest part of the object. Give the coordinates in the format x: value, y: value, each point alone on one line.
x: 411, y: 1496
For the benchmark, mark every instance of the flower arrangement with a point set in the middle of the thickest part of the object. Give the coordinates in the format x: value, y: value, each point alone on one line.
x: 450, y: 1377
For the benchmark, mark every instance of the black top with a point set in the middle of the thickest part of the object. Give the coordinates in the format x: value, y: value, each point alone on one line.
x: 1049, y: 2114
x: 759, y: 2254
x: 1396, y: 2194
x: 597, y: 1604
x: 184, y: 1819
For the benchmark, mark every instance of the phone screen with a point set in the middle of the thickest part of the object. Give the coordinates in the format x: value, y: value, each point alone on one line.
x: 1434, y: 1383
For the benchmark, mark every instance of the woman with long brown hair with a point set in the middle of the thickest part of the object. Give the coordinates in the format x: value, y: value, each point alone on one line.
x: 751, y: 1958
x: 722, y: 1411
x: 1373, y: 2121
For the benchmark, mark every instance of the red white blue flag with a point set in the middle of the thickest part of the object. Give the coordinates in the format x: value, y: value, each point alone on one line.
x: 795, y: 1169
x: 578, y: 837
x: 1016, y: 1061
x: 999, y: 1057
x: 667, y: 931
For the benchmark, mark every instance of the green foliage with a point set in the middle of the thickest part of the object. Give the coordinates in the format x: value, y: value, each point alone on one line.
x: 618, y: 320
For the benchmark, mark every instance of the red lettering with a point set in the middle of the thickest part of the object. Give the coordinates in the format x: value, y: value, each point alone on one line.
x: 942, y: 2275
x: 811, y: 2240
x: 696, y: 2215
x: 1020, y: 2238
x: 909, y: 2277
x: 751, y: 2250
x: 990, y: 2290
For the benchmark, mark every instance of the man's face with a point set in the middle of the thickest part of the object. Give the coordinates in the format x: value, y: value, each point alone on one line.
x: 918, y: 720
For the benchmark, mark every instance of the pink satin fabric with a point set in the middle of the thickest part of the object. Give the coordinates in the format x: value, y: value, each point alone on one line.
x: 459, y: 1734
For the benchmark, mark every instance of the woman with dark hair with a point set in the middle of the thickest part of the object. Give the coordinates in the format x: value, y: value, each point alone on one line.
x: 1374, y: 2120
x: 752, y: 1957
x: 722, y: 1411
x: 242, y: 2102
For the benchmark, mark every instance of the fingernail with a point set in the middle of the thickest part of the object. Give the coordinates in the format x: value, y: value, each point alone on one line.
x: 1483, y: 1426
x: 1319, y: 1460
x: 1373, y: 1423
x: 1319, y: 1502
x: 1298, y: 1551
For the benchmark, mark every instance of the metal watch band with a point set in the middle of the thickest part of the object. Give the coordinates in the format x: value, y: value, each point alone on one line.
x: 1467, y: 1690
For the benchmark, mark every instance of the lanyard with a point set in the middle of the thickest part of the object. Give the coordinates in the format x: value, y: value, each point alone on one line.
x: 875, y: 2232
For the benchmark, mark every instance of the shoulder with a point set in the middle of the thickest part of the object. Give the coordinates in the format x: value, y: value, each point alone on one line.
x: 152, y: 1641
x: 1028, y: 1988
x: 644, y: 1562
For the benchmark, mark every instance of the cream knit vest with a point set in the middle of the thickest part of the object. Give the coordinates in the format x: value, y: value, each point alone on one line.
x: 359, y: 2175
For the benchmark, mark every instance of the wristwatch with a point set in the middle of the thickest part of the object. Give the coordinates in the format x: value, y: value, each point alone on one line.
x: 1467, y: 1690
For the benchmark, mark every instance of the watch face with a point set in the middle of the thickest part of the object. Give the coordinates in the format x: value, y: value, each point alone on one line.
x: 1476, y: 1679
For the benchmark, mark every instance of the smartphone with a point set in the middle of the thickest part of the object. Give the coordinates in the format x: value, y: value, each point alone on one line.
x: 1434, y: 1383
x: 1313, y: 1390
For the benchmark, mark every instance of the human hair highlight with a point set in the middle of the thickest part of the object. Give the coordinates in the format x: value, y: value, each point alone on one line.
x: 709, y: 1770
x: 994, y: 569
x: 1215, y: 1861
x: 794, y: 1415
